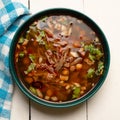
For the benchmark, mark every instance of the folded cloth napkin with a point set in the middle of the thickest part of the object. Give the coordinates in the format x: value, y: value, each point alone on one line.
x: 12, y: 14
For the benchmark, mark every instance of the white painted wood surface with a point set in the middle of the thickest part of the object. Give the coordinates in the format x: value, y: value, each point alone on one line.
x: 46, y: 4
x: 105, y: 104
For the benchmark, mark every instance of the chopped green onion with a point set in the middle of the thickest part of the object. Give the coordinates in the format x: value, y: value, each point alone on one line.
x: 32, y: 57
x: 21, y: 40
x: 44, y: 19
x: 33, y: 90
x: 40, y: 38
x: 99, y: 54
x: 76, y: 92
x: 21, y: 54
x: 94, y: 51
x: 91, y: 57
x: 99, y: 71
x: 89, y: 48
x: 90, y: 73
x: 30, y: 68
x: 42, y: 33
x: 82, y: 44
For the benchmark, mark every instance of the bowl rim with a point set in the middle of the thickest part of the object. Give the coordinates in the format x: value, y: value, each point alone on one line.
x: 68, y: 103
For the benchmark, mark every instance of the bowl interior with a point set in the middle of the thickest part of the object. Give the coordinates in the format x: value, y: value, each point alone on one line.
x: 92, y: 25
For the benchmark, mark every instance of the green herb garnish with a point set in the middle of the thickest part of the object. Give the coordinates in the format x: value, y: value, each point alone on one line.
x: 99, y: 71
x: 40, y: 38
x: 32, y: 57
x: 76, y: 92
x: 30, y: 68
x: 82, y: 44
x: 94, y: 52
x: 21, y: 54
x: 99, y: 54
x: 90, y: 73
x: 91, y: 57
x: 21, y: 40
x: 33, y: 90
x: 44, y: 19
x: 42, y: 33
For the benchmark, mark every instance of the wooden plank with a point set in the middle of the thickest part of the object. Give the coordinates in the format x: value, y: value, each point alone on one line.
x: 36, y: 6
x: 20, y: 106
x: 24, y: 2
x: 105, y: 104
x: 41, y: 112
x: 46, y: 113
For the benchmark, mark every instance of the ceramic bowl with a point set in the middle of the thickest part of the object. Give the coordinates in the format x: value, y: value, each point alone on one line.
x: 93, y: 25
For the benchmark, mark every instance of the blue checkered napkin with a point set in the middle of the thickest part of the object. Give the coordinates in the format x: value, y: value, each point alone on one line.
x: 9, y: 11
x: 12, y: 14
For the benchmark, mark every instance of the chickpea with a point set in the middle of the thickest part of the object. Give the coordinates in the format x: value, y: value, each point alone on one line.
x: 64, y: 78
x: 39, y: 93
x: 54, y: 98
x: 67, y: 87
x: 93, y: 84
x: 83, y: 88
x: 72, y: 68
x: 81, y: 92
x: 29, y: 80
x: 47, y: 97
x: 61, y: 82
x: 49, y: 92
x: 18, y: 46
x: 65, y: 72
x: 76, y: 44
x: 78, y: 66
x: 77, y: 84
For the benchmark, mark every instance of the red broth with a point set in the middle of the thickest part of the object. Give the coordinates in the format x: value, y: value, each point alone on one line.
x: 59, y: 58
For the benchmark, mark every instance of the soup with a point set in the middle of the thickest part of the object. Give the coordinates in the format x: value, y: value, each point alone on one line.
x: 59, y: 58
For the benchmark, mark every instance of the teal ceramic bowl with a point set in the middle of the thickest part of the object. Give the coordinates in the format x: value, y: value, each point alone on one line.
x: 93, y: 25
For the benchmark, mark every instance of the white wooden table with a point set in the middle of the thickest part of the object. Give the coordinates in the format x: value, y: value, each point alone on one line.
x: 105, y: 104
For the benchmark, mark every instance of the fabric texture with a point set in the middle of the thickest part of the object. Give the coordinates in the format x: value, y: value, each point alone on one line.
x: 12, y: 15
